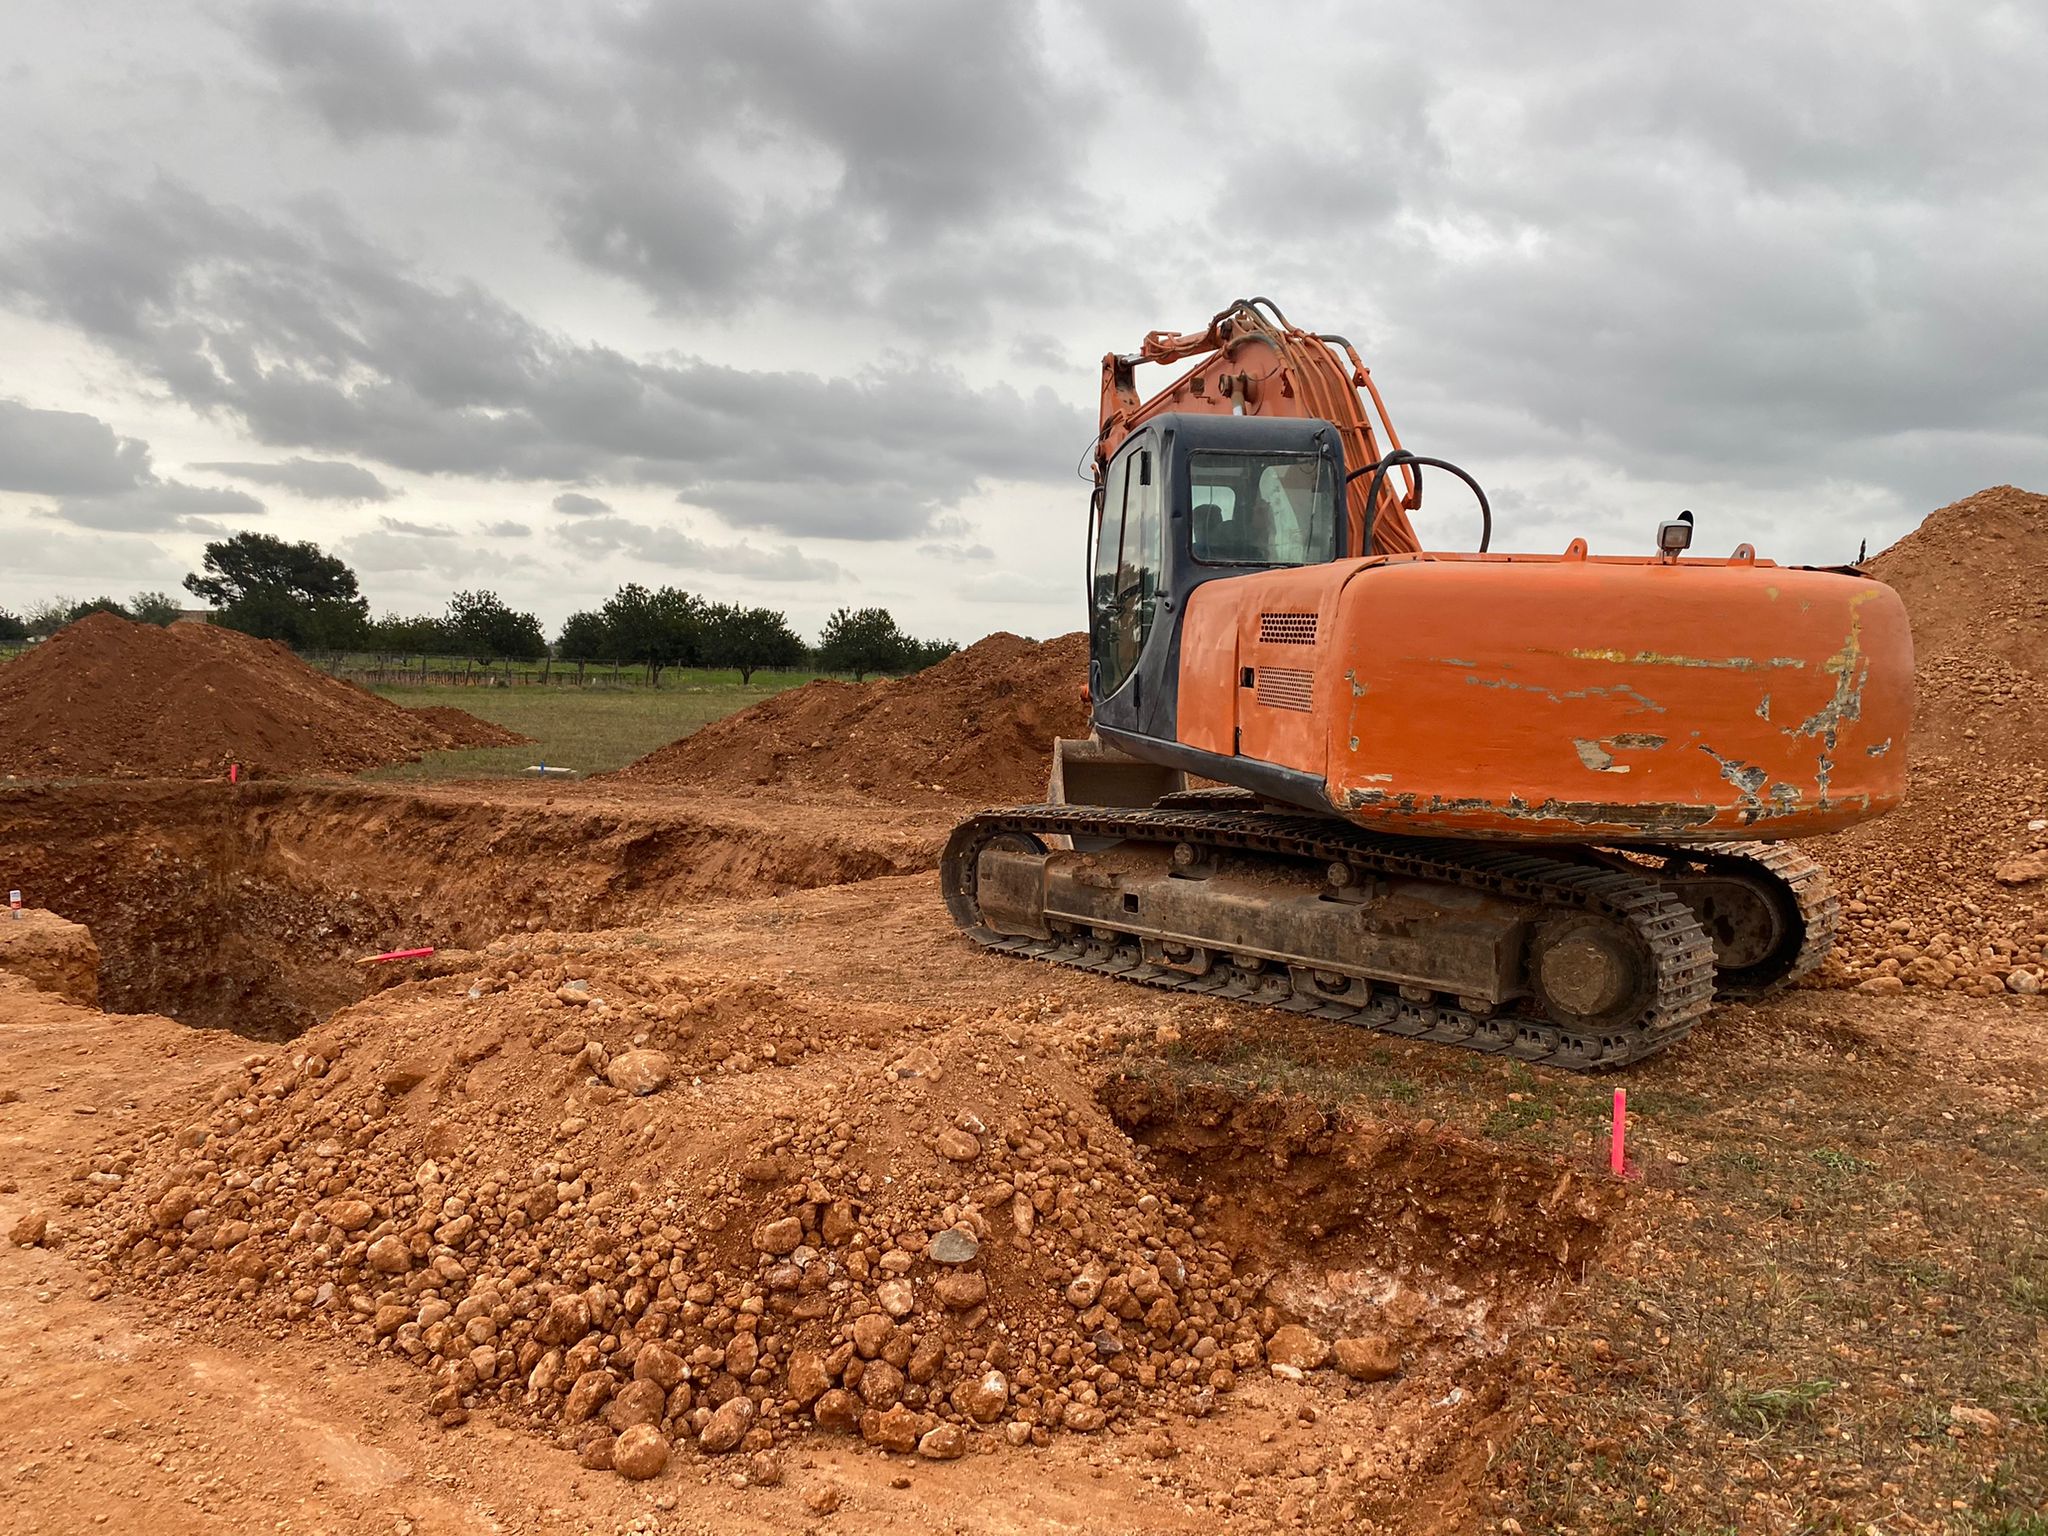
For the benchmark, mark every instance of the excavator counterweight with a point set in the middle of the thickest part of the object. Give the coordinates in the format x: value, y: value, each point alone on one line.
x: 1521, y: 802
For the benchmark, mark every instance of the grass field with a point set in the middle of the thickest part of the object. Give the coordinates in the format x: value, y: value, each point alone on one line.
x: 589, y: 730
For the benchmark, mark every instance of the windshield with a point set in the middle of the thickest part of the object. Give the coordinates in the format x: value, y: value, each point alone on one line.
x: 1263, y: 508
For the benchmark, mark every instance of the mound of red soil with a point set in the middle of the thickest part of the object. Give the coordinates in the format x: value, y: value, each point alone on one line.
x: 1939, y: 893
x: 979, y: 725
x: 462, y: 729
x: 107, y: 698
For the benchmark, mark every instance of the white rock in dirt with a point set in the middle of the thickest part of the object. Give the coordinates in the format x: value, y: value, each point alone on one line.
x: 2023, y: 984
x: 896, y: 1297
x: 953, y: 1246
x: 639, y: 1072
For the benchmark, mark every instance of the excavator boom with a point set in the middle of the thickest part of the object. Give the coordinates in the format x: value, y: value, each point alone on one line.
x: 1251, y: 362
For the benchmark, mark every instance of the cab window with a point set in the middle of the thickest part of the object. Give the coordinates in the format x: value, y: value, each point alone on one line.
x: 1263, y: 509
x: 1125, y: 571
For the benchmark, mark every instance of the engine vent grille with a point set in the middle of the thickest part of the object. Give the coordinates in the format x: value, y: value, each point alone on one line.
x: 1287, y: 628
x: 1285, y: 687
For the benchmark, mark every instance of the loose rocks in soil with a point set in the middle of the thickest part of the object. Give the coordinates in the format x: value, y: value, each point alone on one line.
x: 1950, y: 891
x: 109, y: 698
x: 979, y: 725
x: 910, y: 1227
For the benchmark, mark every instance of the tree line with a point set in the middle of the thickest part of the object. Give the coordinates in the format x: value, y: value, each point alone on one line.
x: 300, y: 595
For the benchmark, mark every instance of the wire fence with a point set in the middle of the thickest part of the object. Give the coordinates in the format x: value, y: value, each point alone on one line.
x: 393, y: 670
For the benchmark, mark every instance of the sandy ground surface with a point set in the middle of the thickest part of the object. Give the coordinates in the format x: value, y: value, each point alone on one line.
x: 1818, y: 1306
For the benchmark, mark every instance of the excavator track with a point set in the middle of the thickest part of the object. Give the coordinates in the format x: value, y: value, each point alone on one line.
x: 1676, y: 957
x: 1772, y: 942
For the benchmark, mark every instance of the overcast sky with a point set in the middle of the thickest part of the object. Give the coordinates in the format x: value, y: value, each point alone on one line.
x: 802, y: 302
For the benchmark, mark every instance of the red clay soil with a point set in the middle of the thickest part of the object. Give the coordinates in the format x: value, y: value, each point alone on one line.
x: 1951, y: 890
x: 108, y: 698
x: 979, y: 725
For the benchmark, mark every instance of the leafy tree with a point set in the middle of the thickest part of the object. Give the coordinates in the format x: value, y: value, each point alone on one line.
x: 419, y: 635
x: 662, y: 628
x: 296, y: 593
x: 749, y: 639
x: 929, y: 653
x: 159, y: 608
x: 95, y: 605
x: 13, y: 629
x: 585, y: 637
x: 271, y: 614
x: 260, y: 562
x: 861, y: 641
x: 481, y: 625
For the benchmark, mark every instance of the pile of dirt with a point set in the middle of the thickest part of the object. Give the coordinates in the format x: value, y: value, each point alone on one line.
x: 979, y: 725
x: 110, y: 698
x: 1951, y: 890
x: 646, y: 1210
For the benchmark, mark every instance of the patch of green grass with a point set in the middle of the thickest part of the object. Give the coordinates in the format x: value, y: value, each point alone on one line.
x: 590, y: 730
x: 2030, y: 1294
x: 1767, y: 1409
x: 1518, y: 1115
x: 1838, y: 1162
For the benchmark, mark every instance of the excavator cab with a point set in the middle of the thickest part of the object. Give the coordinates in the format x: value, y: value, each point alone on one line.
x: 1187, y: 501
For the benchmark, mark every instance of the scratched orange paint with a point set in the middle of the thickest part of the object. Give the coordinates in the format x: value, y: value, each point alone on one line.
x: 1561, y: 697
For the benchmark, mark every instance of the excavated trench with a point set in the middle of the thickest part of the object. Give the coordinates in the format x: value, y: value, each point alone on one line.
x: 1355, y: 1218
x: 250, y: 908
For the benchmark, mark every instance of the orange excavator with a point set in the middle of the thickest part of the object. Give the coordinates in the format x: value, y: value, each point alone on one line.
x: 1534, y: 804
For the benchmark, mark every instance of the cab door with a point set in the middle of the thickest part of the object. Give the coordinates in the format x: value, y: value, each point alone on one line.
x: 1124, y: 582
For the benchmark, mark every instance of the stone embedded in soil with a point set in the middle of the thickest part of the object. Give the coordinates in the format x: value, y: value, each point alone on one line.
x: 984, y: 1400
x: 389, y: 1256
x: 896, y: 1429
x: 592, y: 1390
x: 871, y: 1330
x: 1294, y: 1345
x: 351, y: 1215
x: 953, y: 1246
x: 639, y: 1072
x: 807, y: 1377
x: 823, y: 1499
x: 836, y: 1410
x: 958, y: 1145
x: 727, y: 1427
x: 946, y: 1442
x: 657, y: 1363
x: 30, y: 1231
x: 1367, y: 1357
x: 881, y: 1384
x: 780, y: 1237
x: 2024, y: 870
x: 1083, y: 1418
x: 638, y: 1402
x: 962, y: 1291
x: 897, y: 1297
x: 764, y: 1469
x: 640, y: 1452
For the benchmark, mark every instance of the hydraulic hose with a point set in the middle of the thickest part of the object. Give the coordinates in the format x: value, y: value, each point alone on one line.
x: 1400, y: 456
